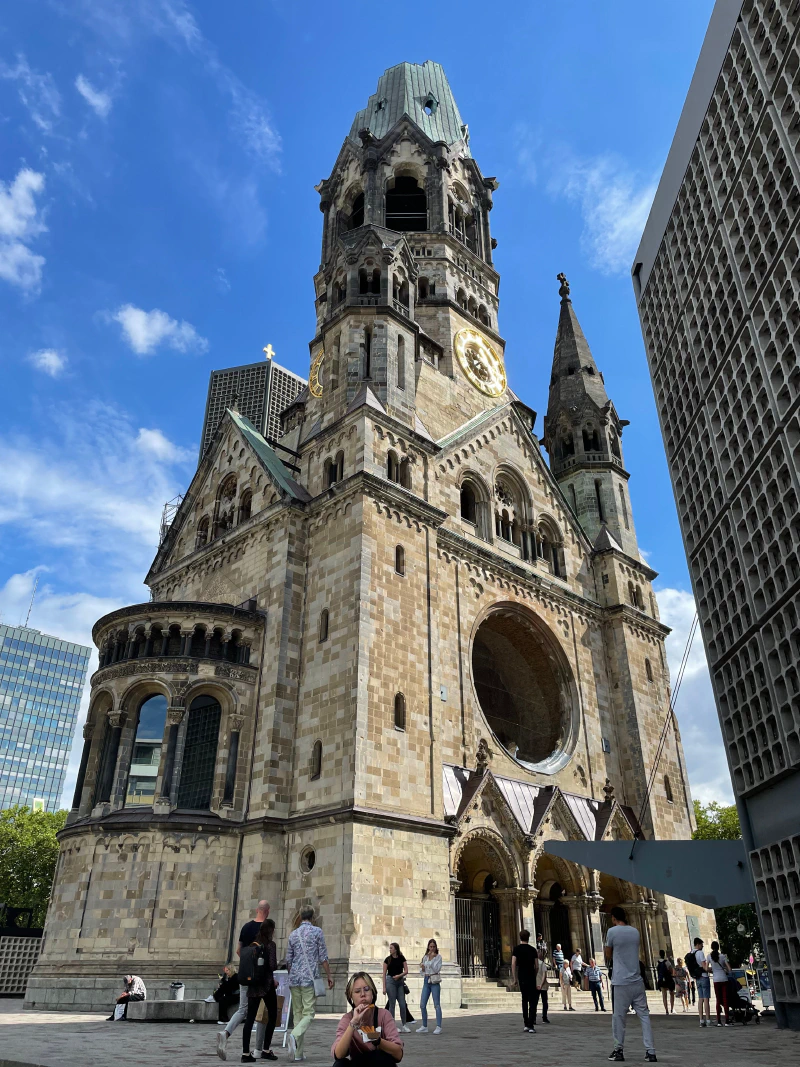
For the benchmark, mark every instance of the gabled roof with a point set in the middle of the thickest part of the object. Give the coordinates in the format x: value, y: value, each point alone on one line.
x: 269, y: 458
x: 365, y: 397
x: 604, y: 542
x: 404, y: 90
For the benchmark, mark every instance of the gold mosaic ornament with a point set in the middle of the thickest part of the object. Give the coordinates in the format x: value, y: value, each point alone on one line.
x: 480, y: 363
x: 315, y: 374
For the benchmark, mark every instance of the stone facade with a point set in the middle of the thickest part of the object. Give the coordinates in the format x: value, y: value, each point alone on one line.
x: 432, y: 668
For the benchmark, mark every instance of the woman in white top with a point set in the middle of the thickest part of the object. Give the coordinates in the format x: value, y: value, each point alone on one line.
x: 430, y: 967
x: 565, y: 981
x: 576, y: 963
x: 718, y: 964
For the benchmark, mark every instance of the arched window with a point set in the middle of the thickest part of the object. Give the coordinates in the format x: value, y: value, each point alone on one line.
x: 461, y: 299
x: 648, y: 670
x: 245, y: 505
x: 340, y: 291
x: 200, y: 754
x: 631, y: 594
x: 363, y: 281
x: 406, y: 205
x: 404, y: 474
x: 146, y: 756
x: 615, y: 446
x: 551, y: 549
x: 422, y: 288
x: 366, y: 353
x: 483, y: 315
x: 400, y: 560
x: 399, y: 712
x: 668, y: 789
x: 505, y: 525
x: 401, y: 363
x: 472, y: 307
x: 375, y: 282
x: 316, y: 760
x: 566, y: 446
x: 469, y: 505
x: 197, y: 647
x: 356, y: 217
x: 225, y: 505
x: 202, y: 532
x: 392, y: 466
x: 591, y: 439
x: 323, y: 625
x: 174, y: 642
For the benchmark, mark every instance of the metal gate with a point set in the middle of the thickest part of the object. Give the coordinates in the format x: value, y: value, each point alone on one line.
x: 478, y: 937
x: 559, y: 929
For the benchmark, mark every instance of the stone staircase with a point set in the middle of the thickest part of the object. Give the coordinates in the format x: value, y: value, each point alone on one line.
x: 482, y: 994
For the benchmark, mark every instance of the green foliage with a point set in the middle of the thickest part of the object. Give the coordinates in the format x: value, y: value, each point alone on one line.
x: 28, y: 855
x: 716, y: 822
x: 720, y: 822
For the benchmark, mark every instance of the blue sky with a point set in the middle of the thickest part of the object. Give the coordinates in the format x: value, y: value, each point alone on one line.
x: 158, y: 219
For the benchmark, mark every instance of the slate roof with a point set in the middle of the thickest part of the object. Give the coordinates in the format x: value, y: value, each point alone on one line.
x: 572, y: 354
x: 275, y: 468
x: 404, y: 90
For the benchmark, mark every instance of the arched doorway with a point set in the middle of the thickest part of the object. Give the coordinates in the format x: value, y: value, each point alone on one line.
x: 483, y: 929
x: 559, y: 921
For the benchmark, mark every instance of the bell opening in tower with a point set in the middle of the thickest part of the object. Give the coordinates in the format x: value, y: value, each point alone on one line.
x: 406, y: 205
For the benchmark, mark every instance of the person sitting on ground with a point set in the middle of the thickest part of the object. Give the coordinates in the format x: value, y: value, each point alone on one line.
x: 366, y: 1034
x: 133, y: 989
x: 227, y: 992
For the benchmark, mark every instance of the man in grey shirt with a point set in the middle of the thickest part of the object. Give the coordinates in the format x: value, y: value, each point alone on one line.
x: 622, y: 952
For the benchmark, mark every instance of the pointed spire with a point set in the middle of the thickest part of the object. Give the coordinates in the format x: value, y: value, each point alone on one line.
x: 575, y: 374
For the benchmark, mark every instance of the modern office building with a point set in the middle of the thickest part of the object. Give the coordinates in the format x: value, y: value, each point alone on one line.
x: 261, y: 392
x: 717, y: 279
x: 41, y: 681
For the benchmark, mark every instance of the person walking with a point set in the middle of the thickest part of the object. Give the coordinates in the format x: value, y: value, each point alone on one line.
x: 366, y: 1034
x: 541, y: 946
x: 699, y: 971
x: 558, y: 958
x: 257, y: 972
x: 540, y: 990
x: 133, y: 988
x: 304, y: 954
x: 247, y: 936
x: 681, y: 976
x: 395, y: 969
x: 565, y: 981
x: 622, y: 948
x: 524, y: 970
x: 594, y: 977
x: 576, y: 966
x: 430, y: 967
x: 665, y: 980
x: 718, y: 964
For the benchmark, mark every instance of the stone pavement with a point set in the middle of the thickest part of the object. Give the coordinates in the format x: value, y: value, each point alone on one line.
x: 51, y: 1039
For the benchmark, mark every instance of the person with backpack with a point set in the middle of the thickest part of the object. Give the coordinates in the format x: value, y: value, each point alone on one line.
x: 257, y: 965
x: 720, y: 969
x: 665, y: 981
x: 366, y: 1034
x: 697, y: 968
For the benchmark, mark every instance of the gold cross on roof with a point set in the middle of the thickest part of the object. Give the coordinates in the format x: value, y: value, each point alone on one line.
x: 269, y: 351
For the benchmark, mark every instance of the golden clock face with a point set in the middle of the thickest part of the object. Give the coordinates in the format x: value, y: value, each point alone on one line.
x: 480, y: 363
x: 315, y: 374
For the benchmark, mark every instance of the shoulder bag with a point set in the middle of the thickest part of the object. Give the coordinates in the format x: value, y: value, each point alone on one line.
x: 320, y: 985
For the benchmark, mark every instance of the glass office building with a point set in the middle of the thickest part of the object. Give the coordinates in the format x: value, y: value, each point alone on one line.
x: 41, y: 681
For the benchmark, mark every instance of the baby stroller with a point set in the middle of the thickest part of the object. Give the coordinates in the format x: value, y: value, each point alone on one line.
x: 739, y: 1003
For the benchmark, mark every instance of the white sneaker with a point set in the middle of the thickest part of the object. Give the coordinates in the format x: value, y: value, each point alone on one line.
x: 405, y: 1029
x: 438, y: 1030
x: 422, y: 1029
x: 292, y: 1043
x: 222, y: 1040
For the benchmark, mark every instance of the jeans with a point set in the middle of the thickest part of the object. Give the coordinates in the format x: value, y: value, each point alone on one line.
x: 596, y: 990
x: 704, y: 987
x: 271, y: 1002
x: 396, y: 994
x: 631, y: 995
x: 537, y: 995
x: 240, y: 1015
x: 429, y: 989
x: 528, y: 993
x: 304, y: 1007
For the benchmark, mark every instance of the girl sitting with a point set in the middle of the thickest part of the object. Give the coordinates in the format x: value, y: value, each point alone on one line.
x: 366, y: 1033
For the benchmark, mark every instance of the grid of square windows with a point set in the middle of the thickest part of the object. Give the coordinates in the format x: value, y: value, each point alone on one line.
x: 41, y: 682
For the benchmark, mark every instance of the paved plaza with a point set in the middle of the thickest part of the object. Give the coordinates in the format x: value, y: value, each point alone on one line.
x: 50, y: 1039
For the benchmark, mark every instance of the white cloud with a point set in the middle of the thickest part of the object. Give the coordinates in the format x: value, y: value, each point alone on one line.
x: 695, y: 707
x: 146, y: 330
x: 20, y: 221
x: 615, y: 202
x: 37, y: 92
x: 157, y: 444
x: 48, y: 360
x: 99, y: 101
x: 223, y: 285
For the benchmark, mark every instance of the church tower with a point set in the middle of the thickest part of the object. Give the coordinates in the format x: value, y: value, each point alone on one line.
x: 583, y: 436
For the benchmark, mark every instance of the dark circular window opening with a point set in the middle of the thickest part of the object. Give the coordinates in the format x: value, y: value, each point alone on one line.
x: 307, y: 860
x: 520, y: 690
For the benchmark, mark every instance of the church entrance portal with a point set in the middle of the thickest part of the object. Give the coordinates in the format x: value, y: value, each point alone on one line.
x: 479, y: 918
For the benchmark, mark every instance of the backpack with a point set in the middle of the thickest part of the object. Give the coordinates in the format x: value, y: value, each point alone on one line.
x: 251, y: 964
x: 692, y: 966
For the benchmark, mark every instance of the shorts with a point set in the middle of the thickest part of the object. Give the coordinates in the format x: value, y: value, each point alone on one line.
x: 704, y: 987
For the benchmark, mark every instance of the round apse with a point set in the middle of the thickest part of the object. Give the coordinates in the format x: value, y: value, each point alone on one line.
x: 524, y: 689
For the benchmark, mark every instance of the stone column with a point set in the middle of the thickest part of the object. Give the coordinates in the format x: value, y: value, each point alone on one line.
x: 116, y: 720
x: 186, y: 641
x: 545, y: 907
x: 576, y: 927
x: 174, y: 719
x: 88, y: 730
x: 593, y: 904
x: 164, y: 641
x: 148, y: 641
x: 649, y: 909
x: 235, y: 724
x: 129, y: 645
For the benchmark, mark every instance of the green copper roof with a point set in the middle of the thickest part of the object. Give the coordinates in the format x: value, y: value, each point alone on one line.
x: 406, y: 90
x: 267, y: 456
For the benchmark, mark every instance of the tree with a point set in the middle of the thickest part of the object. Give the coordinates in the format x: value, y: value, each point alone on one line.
x: 720, y: 822
x: 28, y: 856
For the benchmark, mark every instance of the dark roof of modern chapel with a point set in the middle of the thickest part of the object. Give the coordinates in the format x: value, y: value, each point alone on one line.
x: 404, y: 90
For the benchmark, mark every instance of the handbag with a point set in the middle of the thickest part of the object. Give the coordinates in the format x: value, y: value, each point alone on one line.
x: 320, y: 985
